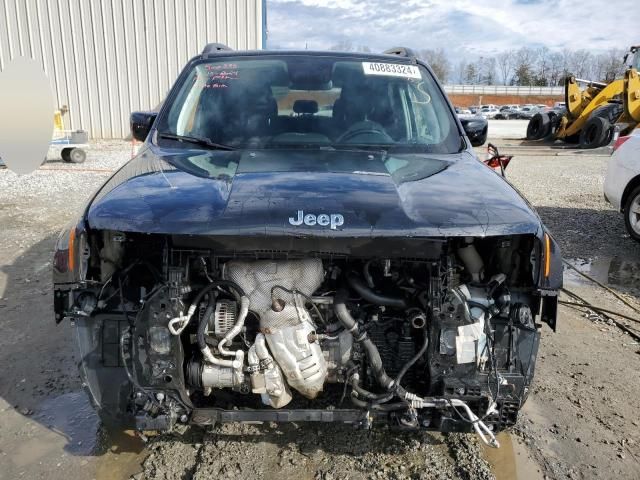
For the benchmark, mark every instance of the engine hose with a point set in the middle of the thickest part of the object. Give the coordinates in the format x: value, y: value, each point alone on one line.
x: 183, y: 320
x: 365, y: 292
x: 215, y: 284
x: 367, y: 274
x: 375, y: 398
x: 351, y: 325
x: 236, y: 329
x: 387, y: 407
x: 202, y: 327
x: 410, y: 363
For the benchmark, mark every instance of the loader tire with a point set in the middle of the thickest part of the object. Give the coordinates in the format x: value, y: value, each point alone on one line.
x: 610, y: 112
x: 595, y: 133
x: 573, y: 139
x: 539, y: 126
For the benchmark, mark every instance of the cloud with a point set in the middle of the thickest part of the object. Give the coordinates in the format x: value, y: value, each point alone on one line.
x: 462, y: 27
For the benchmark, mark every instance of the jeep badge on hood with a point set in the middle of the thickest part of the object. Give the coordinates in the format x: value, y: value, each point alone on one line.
x: 333, y: 221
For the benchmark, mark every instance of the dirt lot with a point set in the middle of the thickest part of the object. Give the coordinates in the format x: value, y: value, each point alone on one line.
x: 581, y: 420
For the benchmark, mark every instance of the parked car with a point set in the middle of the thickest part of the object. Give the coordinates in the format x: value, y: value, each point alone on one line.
x: 622, y: 181
x: 257, y: 261
x: 463, y: 111
x: 476, y: 127
x: 489, y: 112
x: 526, y: 113
x: 507, y: 114
x: 474, y: 108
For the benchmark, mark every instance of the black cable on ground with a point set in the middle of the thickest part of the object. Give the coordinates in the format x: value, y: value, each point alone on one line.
x: 586, y: 305
x: 621, y: 326
x: 603, y: 310
x: 602, y: 285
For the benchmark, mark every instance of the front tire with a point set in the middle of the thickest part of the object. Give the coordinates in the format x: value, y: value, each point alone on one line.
x: 632, y: 214
x: 539, y: 126
x: 595, y: 133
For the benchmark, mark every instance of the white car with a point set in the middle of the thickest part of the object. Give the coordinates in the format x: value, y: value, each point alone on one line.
x: 622, y: 181
x: 489, y: 112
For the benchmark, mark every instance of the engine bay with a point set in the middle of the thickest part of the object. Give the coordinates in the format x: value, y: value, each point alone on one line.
x: 189, y: 334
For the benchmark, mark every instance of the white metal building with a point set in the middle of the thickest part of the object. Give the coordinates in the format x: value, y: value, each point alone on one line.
x: 107, y: 58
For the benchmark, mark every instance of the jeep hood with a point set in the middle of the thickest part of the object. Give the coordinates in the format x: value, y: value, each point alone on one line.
x: 195, y: 192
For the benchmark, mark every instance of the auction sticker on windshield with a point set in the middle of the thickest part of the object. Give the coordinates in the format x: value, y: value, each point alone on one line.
x: 391, y: 69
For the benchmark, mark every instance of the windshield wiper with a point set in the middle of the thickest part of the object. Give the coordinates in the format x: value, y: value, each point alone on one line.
x: 363, y: 146
x: 387, y: 147
x: 381, y: 149
x: 205, y: 142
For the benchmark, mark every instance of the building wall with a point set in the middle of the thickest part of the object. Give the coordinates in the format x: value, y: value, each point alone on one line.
x: 107, y: 58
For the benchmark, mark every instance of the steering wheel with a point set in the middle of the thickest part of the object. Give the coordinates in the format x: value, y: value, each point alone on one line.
x: 365, y: 128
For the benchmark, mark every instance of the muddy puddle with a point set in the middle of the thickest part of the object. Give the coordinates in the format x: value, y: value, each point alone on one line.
x: 620, y: 273
x: 511, y: 461
x: 123, y: 457
x: 65, y: 434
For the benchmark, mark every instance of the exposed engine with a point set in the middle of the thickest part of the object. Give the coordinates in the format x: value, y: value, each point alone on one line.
x: 447, y: 342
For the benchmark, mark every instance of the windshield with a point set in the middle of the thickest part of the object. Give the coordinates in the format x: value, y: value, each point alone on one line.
x: 299, y: 101
x: 636, y: 60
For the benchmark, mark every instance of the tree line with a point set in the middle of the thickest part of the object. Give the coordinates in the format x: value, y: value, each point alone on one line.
x: 525, y: 66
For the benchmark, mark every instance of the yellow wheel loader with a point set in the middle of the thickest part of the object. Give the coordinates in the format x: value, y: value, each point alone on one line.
x: 595, y: 113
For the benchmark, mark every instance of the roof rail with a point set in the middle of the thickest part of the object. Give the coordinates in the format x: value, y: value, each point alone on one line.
x: 212, y: 48
x: 401, y: 51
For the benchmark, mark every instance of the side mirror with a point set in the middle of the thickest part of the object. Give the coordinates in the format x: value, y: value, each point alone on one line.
x: 141, y: 123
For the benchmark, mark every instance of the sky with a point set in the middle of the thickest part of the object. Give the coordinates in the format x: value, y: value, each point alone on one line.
x: 464, y: 28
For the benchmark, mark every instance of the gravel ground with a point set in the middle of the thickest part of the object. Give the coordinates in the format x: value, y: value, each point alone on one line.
x: 324, y: 452
x: 566, y: 191
x: 580, y: 420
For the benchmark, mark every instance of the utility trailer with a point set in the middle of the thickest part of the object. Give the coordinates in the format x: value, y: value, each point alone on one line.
x: 72, y: 144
